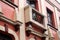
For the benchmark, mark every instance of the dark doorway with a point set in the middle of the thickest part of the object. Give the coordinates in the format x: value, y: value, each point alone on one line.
x: 5, y: 37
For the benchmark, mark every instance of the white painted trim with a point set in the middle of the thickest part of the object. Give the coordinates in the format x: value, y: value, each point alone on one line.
x: 2, y: 28
x: 0, y: 9
x: 13, y: 33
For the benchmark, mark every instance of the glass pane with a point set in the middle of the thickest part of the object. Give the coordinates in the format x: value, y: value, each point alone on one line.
x: 37, y: 17
x: 49, y: 14
x: 32, y: 3
x: 34, y: 16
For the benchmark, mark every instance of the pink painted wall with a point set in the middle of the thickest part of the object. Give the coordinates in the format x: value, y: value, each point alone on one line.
x: 7, y: 10
x: 11, y: 27
x: 54, y: 34
x: 32, y: 36
x: 9, y: 13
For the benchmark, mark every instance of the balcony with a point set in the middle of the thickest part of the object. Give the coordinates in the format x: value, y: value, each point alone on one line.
x: 33, y: 16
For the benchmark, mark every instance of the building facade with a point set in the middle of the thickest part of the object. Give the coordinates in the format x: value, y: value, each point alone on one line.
x: 29, y: 20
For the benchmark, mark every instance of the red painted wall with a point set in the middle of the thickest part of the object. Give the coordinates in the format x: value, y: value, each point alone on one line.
x: 54, y: 33
x: 9, y: 13
x: 11, y: 27
x: 7, y: 10
x: 32, y: 36
x: 37, y: 6
x: 37, y: 29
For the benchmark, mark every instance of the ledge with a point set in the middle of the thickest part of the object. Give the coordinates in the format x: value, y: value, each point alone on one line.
x: 2, y: 18
x: 16, y: 24
x: 35, y: 32
x: 52, y: 27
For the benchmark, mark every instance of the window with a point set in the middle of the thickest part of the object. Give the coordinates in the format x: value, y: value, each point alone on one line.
x: 50, y: 17
x: 33, y: 3
x: 37, y: 17
x: 34, y: 16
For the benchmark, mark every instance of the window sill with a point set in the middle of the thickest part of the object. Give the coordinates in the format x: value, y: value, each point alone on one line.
x: 52, y: 26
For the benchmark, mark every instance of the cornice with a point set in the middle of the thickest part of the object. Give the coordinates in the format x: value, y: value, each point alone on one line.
x: 52, y: 4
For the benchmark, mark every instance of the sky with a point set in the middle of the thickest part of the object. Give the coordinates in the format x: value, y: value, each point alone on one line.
x: 58, y: 1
